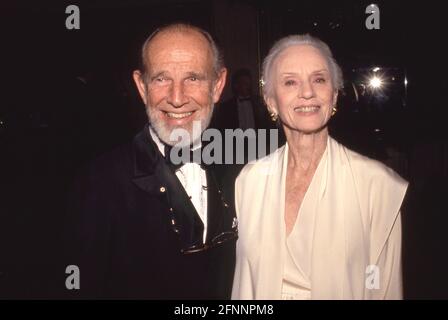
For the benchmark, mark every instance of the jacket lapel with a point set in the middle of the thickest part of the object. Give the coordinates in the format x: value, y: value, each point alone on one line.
x: 146, y: 159
x: 219, y: 215
x: 272, y: 256
x: 152, y: 175
x: 328, y: 254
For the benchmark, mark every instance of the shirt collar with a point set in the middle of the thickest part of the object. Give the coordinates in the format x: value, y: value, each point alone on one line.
x: 161, y: 145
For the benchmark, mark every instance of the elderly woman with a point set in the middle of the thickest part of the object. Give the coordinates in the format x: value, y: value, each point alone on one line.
x: 316, y: 220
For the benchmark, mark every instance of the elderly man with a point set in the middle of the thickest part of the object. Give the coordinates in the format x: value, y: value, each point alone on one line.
x: 141, y: 226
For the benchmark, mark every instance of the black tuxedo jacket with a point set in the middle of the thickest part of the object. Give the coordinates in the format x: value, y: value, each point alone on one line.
x: 120, y: 234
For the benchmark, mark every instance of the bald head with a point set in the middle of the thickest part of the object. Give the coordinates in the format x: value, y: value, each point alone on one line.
x: 176, y: 34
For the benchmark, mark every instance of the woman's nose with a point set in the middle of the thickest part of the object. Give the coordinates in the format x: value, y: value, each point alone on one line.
x: 306, y: 91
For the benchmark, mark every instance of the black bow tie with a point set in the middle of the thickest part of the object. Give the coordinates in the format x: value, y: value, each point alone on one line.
x: 177, y: 158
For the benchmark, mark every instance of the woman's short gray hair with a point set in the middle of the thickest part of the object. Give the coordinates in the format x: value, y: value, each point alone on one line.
x: 294, y: 40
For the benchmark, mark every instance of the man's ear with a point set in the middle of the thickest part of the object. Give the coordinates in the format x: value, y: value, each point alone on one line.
x: 219, y: 84
x: 140, y: 84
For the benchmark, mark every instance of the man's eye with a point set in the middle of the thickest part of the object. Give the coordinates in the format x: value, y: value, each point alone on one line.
x: 193, y: 79
x: 321, y: 80
x: 159, y: 79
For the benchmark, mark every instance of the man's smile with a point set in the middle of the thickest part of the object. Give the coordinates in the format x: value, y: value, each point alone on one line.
x: 178, y: 115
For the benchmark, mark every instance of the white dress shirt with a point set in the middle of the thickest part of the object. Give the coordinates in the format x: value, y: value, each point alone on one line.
x: 194, y: 180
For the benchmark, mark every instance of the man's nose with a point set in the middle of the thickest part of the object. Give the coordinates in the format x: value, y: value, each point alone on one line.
x: 306, y: 91
x: 176, y: 96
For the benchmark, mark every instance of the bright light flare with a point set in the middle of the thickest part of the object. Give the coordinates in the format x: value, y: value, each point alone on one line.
x: 376, y: 82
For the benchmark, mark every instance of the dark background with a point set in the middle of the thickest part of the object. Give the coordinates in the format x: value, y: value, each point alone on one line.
x: 67, y: 96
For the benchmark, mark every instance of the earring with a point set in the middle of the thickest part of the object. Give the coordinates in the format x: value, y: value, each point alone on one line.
x: 334, y: 110
x: 273, y: 116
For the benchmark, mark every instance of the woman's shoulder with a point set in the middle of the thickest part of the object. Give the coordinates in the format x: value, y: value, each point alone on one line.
x: 370, y: 169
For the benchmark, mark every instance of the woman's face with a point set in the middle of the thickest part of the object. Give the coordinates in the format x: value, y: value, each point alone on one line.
x: 303, y: 95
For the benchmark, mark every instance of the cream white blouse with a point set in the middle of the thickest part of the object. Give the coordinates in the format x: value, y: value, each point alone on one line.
x: 296, y: 283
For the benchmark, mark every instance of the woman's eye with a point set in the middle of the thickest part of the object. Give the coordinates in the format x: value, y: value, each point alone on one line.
x: 320, y: 80
x: 290, y: 83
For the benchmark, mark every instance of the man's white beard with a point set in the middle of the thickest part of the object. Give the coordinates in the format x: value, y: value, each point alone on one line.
x: 164, y: 133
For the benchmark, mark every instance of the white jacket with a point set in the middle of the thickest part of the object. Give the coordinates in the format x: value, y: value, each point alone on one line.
x: 357, y: 225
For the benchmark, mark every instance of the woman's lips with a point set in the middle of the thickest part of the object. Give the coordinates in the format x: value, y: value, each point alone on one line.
x: 307, y: 109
